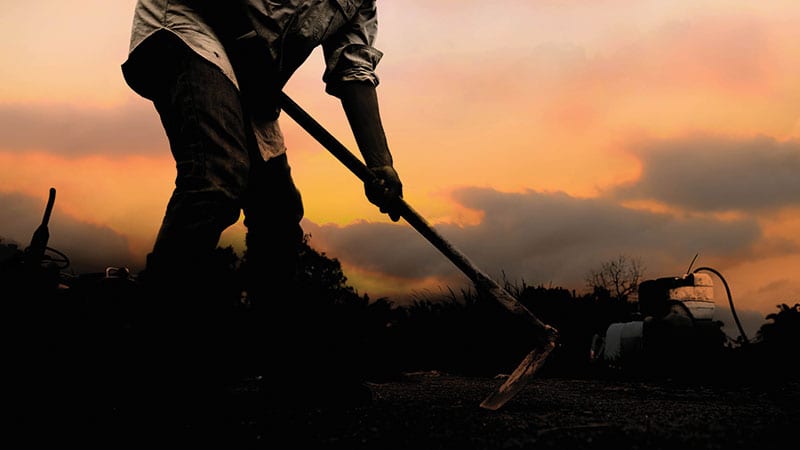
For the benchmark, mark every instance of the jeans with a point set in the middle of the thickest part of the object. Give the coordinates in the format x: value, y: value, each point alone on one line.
x: 220, y: 173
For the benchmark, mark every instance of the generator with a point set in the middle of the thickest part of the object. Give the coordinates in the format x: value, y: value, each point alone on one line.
x: 674, y: 329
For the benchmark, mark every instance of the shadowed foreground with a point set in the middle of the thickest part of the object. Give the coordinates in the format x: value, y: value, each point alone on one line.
x: 84, y: 367
x: 429, y: 412
x: 436, y: 411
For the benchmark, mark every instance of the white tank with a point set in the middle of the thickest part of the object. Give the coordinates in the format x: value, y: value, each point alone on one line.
x: 698, y: 298
x: 623, y: 341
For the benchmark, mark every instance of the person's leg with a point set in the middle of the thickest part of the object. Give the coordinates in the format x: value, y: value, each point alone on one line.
x: 185, y: 329
x: 273, y: 209
x: 202, y: 116
x: 292, y: 325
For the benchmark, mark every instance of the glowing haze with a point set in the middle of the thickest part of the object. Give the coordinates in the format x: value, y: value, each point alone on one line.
x: 541, y: 137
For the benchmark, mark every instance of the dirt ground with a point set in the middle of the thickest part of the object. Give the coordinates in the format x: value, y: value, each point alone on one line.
x: 441, y: 412
x: 431, y: 410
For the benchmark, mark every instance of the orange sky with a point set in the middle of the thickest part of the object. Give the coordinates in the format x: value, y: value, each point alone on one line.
x: 542, y: 138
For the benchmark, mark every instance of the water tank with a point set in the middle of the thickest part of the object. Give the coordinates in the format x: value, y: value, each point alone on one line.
x: 697, y: 297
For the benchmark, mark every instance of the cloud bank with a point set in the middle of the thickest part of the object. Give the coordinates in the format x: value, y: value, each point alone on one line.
x: 547, y: 238
x: 717, y: 174
x: 70, y: 130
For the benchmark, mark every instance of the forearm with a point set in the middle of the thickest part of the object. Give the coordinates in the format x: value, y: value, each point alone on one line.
x: 360, y: 103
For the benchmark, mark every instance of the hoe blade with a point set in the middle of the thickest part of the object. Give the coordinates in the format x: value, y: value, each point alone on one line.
x: 544, y: 335
x: 519, y: 378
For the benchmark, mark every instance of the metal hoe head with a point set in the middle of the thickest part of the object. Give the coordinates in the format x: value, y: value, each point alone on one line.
x: 545, y: 337
x: 519, y: 377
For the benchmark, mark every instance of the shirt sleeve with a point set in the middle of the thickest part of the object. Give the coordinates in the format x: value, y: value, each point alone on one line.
x: 350, y: 54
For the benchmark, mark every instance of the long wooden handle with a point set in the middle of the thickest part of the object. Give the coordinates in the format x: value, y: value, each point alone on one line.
x: 351, y: 161
x: 482, y: 281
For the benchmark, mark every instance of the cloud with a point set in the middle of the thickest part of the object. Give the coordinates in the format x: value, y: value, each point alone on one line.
x: 73, y: 130
x: 392, y: 249
x: 541, y: 237
x: 90, y: 248
x: 715, y: 174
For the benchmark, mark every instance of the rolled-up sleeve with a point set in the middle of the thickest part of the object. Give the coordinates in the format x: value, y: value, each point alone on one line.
x: 350, y: 54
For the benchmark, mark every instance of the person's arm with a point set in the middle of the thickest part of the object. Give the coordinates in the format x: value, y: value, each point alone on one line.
x: 350, y: 60
x: 360, y: 103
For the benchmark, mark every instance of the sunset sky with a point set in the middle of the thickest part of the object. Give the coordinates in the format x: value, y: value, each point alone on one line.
x: 541, y: 137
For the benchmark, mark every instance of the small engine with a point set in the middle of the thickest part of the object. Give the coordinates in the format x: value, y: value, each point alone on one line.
x: 676, y: 326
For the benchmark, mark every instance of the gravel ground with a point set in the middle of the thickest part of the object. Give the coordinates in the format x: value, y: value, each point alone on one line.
x: 431, y: 410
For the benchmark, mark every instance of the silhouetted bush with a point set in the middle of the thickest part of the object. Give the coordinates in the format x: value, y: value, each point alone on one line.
x: 87, y: 329
x: 774, y: 352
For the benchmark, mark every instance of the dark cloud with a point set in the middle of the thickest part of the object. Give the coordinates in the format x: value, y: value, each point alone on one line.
x: 711, y: 174
x: 78, y: 131
x: 90, y: 248
x: 392, y: 249
x: 547, y: 238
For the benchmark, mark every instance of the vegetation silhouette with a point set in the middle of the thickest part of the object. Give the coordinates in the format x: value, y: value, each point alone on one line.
x: 77, y: 339
x: 774, y: 352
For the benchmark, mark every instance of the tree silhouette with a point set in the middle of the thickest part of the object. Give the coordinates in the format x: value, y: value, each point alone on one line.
x: 784, y: 329
x: 620, y: 277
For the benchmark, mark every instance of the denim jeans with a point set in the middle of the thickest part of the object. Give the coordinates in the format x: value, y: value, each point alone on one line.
x: 219, y: 174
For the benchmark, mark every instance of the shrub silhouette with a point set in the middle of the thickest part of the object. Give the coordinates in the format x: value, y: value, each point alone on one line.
x: 91, y: 327
x: 783, y: 332
x: 776, y: 349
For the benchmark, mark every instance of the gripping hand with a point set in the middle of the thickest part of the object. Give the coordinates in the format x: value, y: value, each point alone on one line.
x: 385, y: 191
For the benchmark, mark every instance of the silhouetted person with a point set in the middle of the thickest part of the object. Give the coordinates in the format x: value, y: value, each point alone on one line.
x: 213, y: 70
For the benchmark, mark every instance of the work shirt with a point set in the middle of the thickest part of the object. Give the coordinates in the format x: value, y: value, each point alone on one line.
x: 291, y: 30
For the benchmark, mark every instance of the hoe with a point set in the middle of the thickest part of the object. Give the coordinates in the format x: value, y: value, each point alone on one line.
x: 543, y: 336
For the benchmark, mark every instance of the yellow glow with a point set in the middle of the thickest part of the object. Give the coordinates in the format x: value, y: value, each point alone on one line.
x: 401, y: 290
x: 550, y: 96
x: 127, y: 194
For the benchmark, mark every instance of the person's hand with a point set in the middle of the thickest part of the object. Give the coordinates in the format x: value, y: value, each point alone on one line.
x: 385, y: 191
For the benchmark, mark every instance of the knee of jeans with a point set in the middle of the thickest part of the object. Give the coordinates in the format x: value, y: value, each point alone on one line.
x: 221, y: 185
x: 231, y: 182
x: 203, y: 171
x: 212, y: 208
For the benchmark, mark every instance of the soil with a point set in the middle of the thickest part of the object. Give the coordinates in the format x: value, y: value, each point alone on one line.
x: 431, y: 410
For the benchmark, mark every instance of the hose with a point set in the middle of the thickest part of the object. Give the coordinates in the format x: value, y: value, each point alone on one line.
x: 730, y: 300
